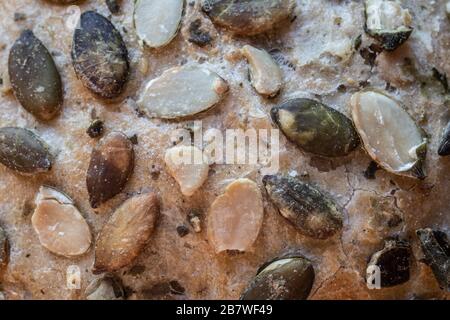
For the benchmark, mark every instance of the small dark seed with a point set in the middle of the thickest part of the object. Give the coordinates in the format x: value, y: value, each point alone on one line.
x: 176, y: 288
x: 95, y: 129
x: 134, y: 139
x: 22, y: 151
x: 4, y: 251
x: 113, y: 6
x: 19, y: 16
x: 444, y: 147
x: 197, y: 35
x: 99, y: 56
x: 393, y: 263
x: 371, y: 170
x: 436, y: 248
x: 182, y: 231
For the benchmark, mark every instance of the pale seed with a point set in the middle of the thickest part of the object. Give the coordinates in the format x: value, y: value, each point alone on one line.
x: 265, y: 74
x: 182, y: 91
x: 60, y: 226
x: 188, y: 166
x: 235, y: 217
x: 390, y: 135
x: 157, y: 21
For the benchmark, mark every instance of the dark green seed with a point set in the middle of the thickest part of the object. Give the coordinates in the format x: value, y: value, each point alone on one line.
x: 316, y: 128
x: 290, y: 277
x: 312, y: 212
x: 95, y: 129
x: 99, y: 56
x: 393, y: 263
x: 248, y: 17
x: 436, y: 249
x: 22, y: 151
x: 34, y: 78
x: 444, y: 147
x: 112, y: 162
x: 4, y: 251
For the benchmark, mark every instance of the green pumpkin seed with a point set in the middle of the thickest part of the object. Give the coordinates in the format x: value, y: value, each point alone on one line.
x: 22, y: 151
x: 444, y: 147
x: 99, y: 56
x: 157, y: 21
x: 389, y: 134
x: 392, y: 264
x: 105, y: 288
x: 126, y: 233
x: 316, y: 128
x: 436, y: 249
x: 312, y: 212
x: 248, y: 17
x: 112, y: 162
x: 289, y: 277
x: 388, y: 22
x: 4, y: 251
x: 34, y: 78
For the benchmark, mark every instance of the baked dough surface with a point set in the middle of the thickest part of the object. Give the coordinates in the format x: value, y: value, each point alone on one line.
x: 319, y: 59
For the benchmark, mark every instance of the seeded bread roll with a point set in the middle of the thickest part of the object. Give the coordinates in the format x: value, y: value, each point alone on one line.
x: 326, y: 52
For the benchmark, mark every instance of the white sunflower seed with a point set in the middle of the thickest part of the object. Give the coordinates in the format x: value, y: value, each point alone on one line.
x: 188, y: 166
x: 265, y: 74
x: 236, y: 217
x: 182, y: 91
x: 157, y: 21
x: 390, y: 135
x: 60, y: 226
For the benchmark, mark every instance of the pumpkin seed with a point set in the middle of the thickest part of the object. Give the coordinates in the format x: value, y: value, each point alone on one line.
x: 23, y: 151
x: 393, y: 263
x: 236, y: 216
x: 60, y: 226
x: 390, y: 135
x: 188, y: 166
x: 34, y: 78
x: 444, y: 147
x: 99, y: 56
x: 388, y: 22
x: 312, y: 212
x: 112, y: 162
x: 316, y: 128
x: 436, y: 249
x: 265, y: 74
x: 182, y: 91
x: 4, y: 251
x: 126, y: 233
x: 248, y: 17
x: 289, y: 277
x: 157, y: 21
x: 105, y: 288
